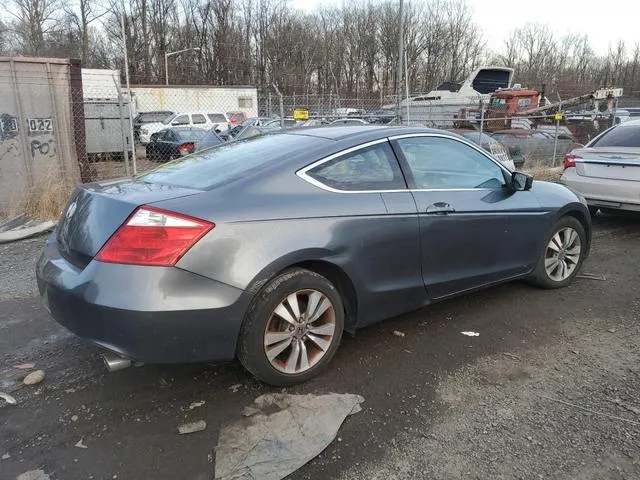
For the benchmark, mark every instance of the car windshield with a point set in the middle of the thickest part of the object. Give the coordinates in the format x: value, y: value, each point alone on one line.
x: 622, y: 136
x: 169, y: 119
x: 229, y: 162
x: 154, y: 116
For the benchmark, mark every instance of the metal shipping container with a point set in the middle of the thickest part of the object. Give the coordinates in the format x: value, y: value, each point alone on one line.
x: 41, y: 127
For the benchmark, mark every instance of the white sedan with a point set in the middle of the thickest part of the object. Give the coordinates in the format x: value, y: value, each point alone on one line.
x: 607, y: 170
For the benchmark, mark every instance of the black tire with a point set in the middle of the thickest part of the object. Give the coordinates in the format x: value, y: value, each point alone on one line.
x: 541, y: 278
x: 251, y: 349
x: 593, y: 211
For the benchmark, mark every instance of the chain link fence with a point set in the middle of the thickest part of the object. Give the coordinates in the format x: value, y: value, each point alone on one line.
x: 61, y: 125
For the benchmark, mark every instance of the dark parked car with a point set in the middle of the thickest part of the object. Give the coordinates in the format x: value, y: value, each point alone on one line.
x: 242, y: 131
x: 269, y: 248
x: 511, y: 158
x: 149, y: 117
x: 379, y: 116
x: 536, y: 144
x: 210, y: 139
x: 173, y: 143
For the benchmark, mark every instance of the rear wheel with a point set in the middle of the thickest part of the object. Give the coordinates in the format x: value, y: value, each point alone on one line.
x: 563, y: 254
x: 292, y: 329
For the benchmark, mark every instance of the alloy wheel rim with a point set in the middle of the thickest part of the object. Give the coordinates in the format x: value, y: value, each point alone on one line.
x: 300, y: 331
x: 562, y: 254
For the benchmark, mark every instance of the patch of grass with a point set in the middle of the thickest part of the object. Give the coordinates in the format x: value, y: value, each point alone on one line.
x: 46, y: 200
x: 548, y: 174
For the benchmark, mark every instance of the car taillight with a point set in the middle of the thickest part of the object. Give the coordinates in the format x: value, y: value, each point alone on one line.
x: 187, y: 148
x: 570, y: 160
x: 153, y: 237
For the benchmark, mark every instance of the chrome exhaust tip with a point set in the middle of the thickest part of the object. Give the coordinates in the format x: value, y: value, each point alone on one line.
x: 115, y: 362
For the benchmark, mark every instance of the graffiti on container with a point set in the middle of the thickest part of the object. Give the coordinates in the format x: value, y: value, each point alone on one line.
x: 39, y: 126
x: 8, y: 126
x: 8, y: 136
x: 43, y: 147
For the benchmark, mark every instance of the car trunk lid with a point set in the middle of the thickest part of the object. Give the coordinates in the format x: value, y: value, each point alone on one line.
x: 615, y: 163
x: 95, y: 211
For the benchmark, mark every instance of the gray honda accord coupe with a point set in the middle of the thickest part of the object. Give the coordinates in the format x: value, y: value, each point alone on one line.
x: 268, y: 249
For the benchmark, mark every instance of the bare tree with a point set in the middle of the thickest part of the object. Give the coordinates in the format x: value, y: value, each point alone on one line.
x: 33, y: 20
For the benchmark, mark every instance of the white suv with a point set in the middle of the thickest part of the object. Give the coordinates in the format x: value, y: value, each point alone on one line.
x: 203, y: 120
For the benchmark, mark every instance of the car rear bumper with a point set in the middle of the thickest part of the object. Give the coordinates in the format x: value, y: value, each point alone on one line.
x: 603, y: 192
x: 149, y: 314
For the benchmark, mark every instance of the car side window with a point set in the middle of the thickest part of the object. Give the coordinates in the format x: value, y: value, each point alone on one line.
x: 445, y: 163
x: 181, y: 120
x: 198, y: 119
x: 369, y: 168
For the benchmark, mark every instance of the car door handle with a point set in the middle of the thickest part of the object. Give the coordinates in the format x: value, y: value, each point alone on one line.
x: 440, y: 208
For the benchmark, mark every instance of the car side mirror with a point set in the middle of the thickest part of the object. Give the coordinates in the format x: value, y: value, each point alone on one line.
x: 521, y: 182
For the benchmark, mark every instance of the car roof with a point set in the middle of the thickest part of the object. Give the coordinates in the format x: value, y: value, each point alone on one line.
x: 359, y: 132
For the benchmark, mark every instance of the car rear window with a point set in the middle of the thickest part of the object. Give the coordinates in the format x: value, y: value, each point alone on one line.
x: 370, y: 168
x: 229, y: 162
x: 622, y: 136
x: 191, y: 134
x: 211, y: 139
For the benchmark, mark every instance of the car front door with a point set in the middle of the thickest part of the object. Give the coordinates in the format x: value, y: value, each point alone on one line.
x: 474, y: 229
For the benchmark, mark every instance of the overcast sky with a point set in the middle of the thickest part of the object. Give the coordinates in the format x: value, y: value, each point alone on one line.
x: 605, y: 22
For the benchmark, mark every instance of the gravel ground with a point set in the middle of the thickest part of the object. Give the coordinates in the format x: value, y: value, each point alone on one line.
x: 568, y: 410
x: 17, y: 267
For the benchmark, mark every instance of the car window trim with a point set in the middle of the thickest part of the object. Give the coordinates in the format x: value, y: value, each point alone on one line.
x: 302, y: 173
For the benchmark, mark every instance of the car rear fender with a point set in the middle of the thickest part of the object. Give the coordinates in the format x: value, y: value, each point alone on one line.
x: 580, y: 213
x: 325, y: 263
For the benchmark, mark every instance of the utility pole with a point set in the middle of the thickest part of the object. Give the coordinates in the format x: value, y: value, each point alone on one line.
x: 400, y: 59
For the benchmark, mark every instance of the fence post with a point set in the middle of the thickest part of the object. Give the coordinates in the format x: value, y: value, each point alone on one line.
x: 555, y: 139
x: 481, y: 120
x: 281, y: 105
x: 125, y: 149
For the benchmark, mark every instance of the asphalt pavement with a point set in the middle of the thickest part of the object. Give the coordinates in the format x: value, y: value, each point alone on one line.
x: 549, y: 389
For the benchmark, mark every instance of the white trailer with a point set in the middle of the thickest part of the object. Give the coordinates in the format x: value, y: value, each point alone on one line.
x: 196, y: 98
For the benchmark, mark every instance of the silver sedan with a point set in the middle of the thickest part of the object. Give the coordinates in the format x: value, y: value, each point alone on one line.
x: 607, y: 170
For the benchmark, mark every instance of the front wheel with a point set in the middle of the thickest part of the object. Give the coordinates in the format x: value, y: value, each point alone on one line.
x: 563, y: 254
x: 292, y: 329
